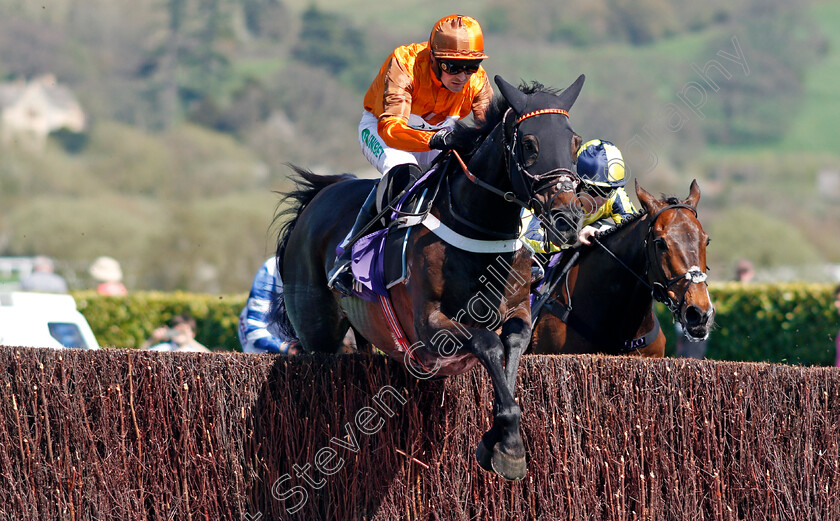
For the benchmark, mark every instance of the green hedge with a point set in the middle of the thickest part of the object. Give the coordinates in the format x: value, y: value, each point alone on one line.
x: 127, y: 321
x: 792, y: 323
x: 787, y: 323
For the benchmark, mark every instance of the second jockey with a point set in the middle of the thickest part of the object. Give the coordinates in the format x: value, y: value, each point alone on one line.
x: 600, y: 166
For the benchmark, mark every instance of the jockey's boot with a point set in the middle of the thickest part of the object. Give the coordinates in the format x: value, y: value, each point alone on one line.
x: 400, y: 178
x: 340, y: 276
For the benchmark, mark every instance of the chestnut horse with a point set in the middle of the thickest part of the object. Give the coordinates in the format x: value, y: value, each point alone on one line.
x: 604, y: 304
x: 466, y: 297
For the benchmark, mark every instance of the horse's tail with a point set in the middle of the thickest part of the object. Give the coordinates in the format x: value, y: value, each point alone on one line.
x: 290, y: 206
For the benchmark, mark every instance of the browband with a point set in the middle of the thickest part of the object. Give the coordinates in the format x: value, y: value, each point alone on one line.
x: 539, y: 112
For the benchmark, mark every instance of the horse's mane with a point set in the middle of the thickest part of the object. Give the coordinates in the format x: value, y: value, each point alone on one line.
x: 623, y: 224
x: 669, y: 199
x: 468, y: 135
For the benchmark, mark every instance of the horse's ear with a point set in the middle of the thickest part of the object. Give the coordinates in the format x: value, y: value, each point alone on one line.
x: 649, y: 202
x: 570, y: 94
x: 693, y: 194
x: 515, y: 97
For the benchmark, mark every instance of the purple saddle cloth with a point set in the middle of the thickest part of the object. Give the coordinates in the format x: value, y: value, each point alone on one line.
x: 369, y: 266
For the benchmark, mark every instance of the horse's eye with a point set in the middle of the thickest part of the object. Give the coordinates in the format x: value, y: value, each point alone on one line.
x: 661, y: 244
x: 708, y: 240
x: 530, y: 150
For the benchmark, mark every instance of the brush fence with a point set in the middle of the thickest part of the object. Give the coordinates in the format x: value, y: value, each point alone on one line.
x: 128, y: 435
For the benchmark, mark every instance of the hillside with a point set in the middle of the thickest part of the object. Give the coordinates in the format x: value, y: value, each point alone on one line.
x: 196, y: 106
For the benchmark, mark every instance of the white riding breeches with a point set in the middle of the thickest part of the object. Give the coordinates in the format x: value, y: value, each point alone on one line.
x: 384, y: 157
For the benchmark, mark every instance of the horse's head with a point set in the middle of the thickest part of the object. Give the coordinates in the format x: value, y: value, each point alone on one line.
x: 541, y: 156
x: 676, y: 254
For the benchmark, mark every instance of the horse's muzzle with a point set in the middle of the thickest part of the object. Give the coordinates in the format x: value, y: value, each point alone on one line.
x: 564, y: 225
x: 698, y: 322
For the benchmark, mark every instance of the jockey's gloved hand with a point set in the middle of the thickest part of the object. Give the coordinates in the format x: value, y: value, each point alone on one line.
x: 442, y: 140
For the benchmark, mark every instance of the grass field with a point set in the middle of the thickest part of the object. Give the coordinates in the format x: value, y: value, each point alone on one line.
x: 814, y: 126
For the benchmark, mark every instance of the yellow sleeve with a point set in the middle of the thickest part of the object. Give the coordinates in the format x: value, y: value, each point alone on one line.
x: 597, y: 215
x: 533, y: 234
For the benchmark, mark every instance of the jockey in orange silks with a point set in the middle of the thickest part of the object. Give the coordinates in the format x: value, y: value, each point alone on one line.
x: 421, y: 90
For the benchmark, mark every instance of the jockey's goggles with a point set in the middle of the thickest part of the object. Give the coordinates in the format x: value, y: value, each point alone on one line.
x: 459, y: 66
x: 595, y: 190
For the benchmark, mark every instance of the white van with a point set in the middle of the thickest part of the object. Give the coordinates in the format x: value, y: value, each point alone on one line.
x: 43, y: 320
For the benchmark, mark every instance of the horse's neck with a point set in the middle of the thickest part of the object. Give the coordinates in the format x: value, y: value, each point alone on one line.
x: 628, y: 245
x: 476, y: 204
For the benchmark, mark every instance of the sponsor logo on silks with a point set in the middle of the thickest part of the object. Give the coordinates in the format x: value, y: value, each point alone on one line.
x: 372, y: 143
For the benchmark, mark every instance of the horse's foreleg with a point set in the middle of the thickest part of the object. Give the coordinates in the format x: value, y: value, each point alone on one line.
x: 516, y: 334
x: 501, y: 449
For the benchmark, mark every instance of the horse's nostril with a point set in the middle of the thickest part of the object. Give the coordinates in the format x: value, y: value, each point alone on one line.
x: 561, y: 225
x: 694, y: 316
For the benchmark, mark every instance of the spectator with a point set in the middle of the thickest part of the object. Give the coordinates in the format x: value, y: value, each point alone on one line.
x: 837, y: 338
x: 43, y: 278
x: 107, y: 271
x: 179, y: 336
x: 255, y: 333
x: 744, y: 271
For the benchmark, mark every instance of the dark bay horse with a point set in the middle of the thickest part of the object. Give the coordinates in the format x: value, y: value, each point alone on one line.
x: 659, y: 253
x: 465, y: 301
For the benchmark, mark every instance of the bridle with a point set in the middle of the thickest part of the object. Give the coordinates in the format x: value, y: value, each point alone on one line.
x: 528, y: 182
x: 694, y: 274
x: 520, y: 177
x: 659, y: 288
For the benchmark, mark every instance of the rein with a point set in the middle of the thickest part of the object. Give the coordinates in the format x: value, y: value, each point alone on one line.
x: 507, y: 196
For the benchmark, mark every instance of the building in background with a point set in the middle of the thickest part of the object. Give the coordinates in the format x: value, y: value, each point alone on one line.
x: 29, y: 111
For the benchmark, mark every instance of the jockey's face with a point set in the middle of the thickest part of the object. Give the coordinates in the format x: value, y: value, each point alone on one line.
x: 454, y: 82
x: 454, y: 74
x: 596, y: 191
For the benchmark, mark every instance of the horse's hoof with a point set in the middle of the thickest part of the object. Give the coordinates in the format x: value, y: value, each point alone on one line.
x: 484, y: 456
x: 509, y: 467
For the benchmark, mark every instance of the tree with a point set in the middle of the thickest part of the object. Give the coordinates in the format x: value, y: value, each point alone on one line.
x: 329, y: 41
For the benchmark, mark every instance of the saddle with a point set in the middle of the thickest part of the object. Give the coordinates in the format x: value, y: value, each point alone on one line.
x: 379, y: 258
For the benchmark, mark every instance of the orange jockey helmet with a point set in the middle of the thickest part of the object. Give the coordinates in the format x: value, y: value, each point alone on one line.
x: 456, y: 37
